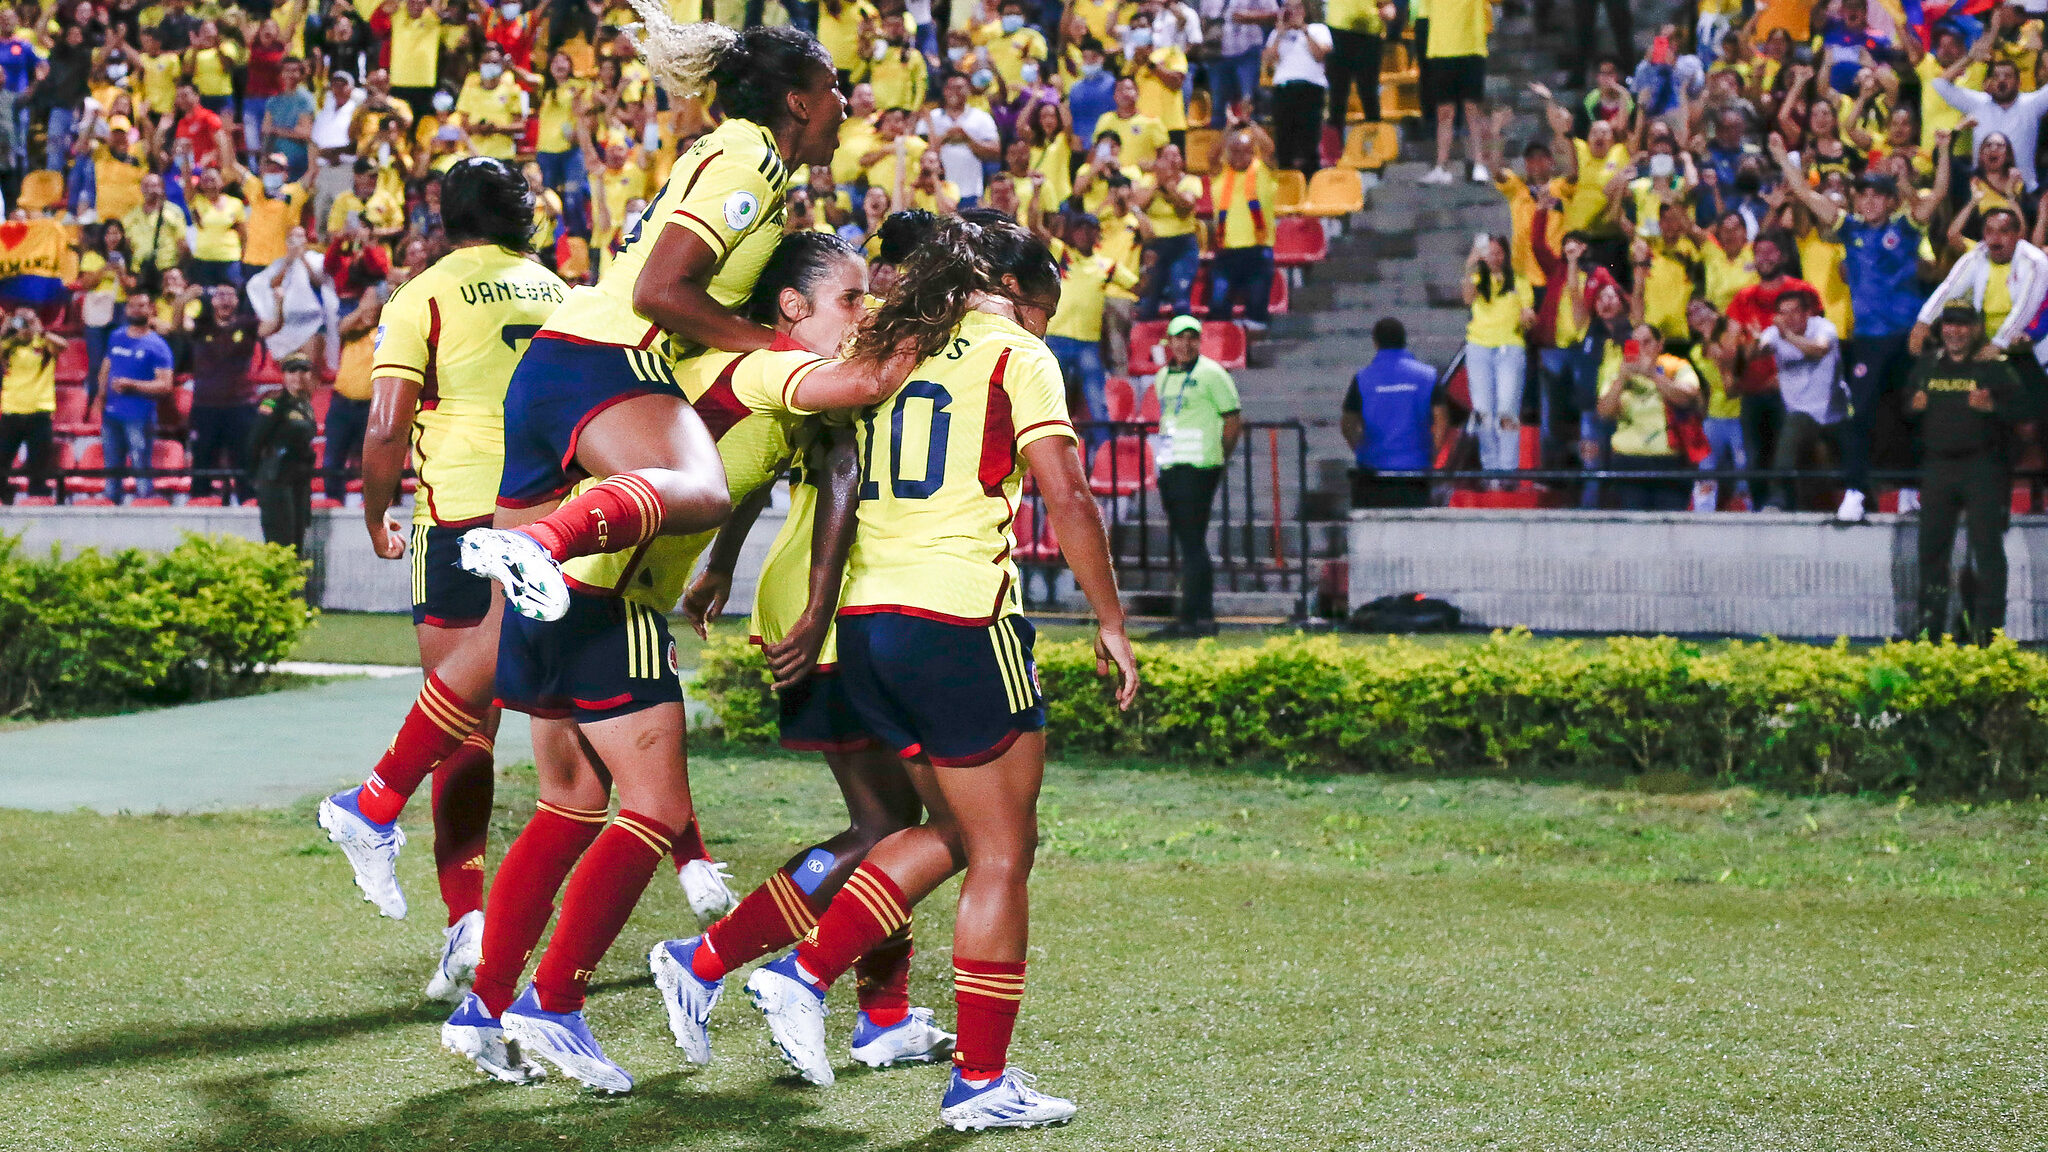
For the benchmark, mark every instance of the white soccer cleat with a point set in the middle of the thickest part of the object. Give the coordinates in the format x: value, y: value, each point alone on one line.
x: 474, y: 1033
x: 1008, y: 1101
x: 564, y: 1040
x: 533, y: 582
x: 1438, y: 175
x: 689, y: 1000
x: 371, y: 848
x: 911, y: 1040
x: 460, y: 954
x: 796, y: 1018
x: 706, y: 885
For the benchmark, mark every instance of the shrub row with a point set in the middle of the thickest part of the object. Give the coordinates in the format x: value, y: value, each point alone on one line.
x: 103, y: 630
x: 1934, y: 718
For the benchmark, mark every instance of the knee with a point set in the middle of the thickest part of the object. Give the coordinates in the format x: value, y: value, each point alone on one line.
x: 694, y: 500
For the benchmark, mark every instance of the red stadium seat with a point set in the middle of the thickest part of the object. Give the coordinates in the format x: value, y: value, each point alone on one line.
x: 1035, y: 543
x: 1146, y: 336
x: 1223, y: 341
x: 1148, y: 406
x: 72, y: 417
x: 1276, y: 304
x: 169, y: 456
x: 89, y: 456
x: 174, y: 412
x: 1299, y: 240
x: 322, y: 397
x: 72, y: 363
x: 1123, y: 403
x: 263, y: 369
x: 1198, y: 293
x: 1123, y: 467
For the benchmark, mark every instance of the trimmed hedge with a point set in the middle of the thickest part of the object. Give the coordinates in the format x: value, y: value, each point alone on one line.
x: 102, y: 630
x: 1934, y: 718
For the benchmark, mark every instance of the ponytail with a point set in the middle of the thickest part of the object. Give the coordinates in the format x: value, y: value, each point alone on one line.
x: 752, y: 71
x: 963, y: 256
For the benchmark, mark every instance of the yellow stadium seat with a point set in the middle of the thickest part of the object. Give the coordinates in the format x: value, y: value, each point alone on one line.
x: 41, y: 189
x: 1201, y: 150
x: 1370, y: 147
x: 1401, y: 95
x: 1333, y: 192
x: 1291, y: 188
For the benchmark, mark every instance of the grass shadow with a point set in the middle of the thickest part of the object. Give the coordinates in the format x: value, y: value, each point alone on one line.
x: 143, y: 1043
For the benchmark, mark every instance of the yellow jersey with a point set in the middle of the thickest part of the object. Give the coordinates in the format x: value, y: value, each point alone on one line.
x: 1007, y: 54
x: 271, y: 219
x: 743, y: 398
x: 381, y: 212
x: 30, y: 383
x: 415, y: 48
x: 1167, y: 220
x: 940, y: 478
x: 159, y: 81
x: 1726, y: 275
x: 1585, y: 210
x: 899, y: 79
x: 1121, y: 242
x: 1245, y: 203
x: 840, y: 33
x: 1142, y: 136
x: 501, y: 106
x: 457, y: 330
x: 728, y: 190
x: 558, y: 116
x: 213, y: 69
x: 214, y: 221
x: 1084, y: 280
x: 1164, y: 102
x: 784, y: 589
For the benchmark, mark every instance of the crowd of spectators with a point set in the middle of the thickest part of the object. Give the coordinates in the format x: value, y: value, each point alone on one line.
x: 1730, y: 253
x: 246, y: 181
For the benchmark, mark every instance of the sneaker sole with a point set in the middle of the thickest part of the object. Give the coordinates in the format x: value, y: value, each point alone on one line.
x: 591, y: 1074
x: 782, y: 1048
x: 451, y: 1042
x: 668, y: 977
x: 329, y: 819
x: 983, y: 1126
x: 519, y: 593
x: 929, y: 1056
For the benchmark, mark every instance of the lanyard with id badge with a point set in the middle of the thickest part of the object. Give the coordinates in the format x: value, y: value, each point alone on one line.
x: 1180, y: 444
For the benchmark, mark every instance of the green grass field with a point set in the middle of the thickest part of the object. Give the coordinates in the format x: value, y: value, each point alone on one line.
x: 1219, y: 961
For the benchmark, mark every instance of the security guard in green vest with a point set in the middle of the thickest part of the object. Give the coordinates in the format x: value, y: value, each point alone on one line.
x: 281, y: 450
x: 1966, y: 405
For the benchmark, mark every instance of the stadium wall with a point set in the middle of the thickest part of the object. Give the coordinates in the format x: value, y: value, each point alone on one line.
x: 1763, y: 574
x: 346, y: 576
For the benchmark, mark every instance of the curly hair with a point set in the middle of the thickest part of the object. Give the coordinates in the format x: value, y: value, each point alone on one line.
x: 748, y: 72
x: 961, y: 257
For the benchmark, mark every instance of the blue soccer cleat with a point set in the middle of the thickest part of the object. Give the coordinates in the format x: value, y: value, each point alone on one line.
x: 371, y: 848
x: 911, y: 1040
x: 564, y: 1040
x: 689, y: 1000
x: 474, y: 1033
x: 1008, y: 1101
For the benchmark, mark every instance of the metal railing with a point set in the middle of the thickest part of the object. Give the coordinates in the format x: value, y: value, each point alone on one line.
x: 1260, y: 545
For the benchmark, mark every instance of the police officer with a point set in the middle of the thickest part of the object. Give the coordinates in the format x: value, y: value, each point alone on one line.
x: 1966, y: 406
x: 281, y: 451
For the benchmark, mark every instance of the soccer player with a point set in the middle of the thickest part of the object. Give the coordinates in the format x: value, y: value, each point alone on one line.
x: 447, y: 344
x: 936, y: 656
x: 813, y: 293
x: 597, y: 394
x: 600, y: 682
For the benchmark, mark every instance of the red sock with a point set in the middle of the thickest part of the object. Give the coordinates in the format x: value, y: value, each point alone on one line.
x: 601, y: 895
x: 882, y: 979
x: 772, y: 917
x: 987, y: 994
x: 437, y: 725
x: 689, y: 846
x: 623, y: 512
x: 523, y: 897
x: 462, y: 824
x: 866, y: 912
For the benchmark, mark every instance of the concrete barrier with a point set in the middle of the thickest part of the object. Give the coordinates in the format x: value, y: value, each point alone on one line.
x: 1781, y: 574
x: 347, y: 576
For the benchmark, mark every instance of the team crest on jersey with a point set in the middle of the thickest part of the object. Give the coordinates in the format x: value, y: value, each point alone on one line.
x: 1891, y: 240
x: 377, y: 344
x: 740, y: 210
x: 675, y: 666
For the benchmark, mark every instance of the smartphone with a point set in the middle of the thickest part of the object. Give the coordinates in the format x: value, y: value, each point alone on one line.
x: 1630, y: 349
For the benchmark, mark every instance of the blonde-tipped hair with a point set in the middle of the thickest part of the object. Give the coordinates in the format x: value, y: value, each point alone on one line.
x: 681, y: 56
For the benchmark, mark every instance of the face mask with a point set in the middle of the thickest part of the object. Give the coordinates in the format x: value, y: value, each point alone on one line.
x: 982, y: 78
x: 1090, y: 71
x: 1661, y: 164
x: 117, y: 72
x: 1029, y: 72
x: 509, y: 11
x: 489, y: 73
x: 444, y: 103
x: 1012, y: 25
x: 1104, y: 154
x: 881, y: 51
x: 1140, y: 38
x: 956, y: 55
x: 273, y: 183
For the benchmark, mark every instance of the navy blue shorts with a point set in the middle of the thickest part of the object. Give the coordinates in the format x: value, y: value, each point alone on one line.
x: 955, y: 694
x: 561, y: 384
x: 444, y: 595
x: 607, y: 657
x: 816, y: 716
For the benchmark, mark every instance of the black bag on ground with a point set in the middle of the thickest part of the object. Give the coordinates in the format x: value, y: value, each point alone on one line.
x: 1406, y: 612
